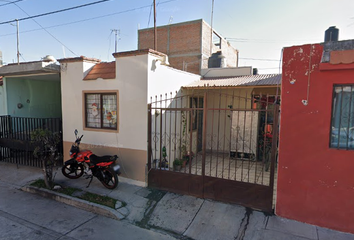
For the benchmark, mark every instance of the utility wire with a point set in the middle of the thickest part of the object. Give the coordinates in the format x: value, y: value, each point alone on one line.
x: 88, y: 19
x: 49, y: 13
x: 10, y: 2
x: 260, y: 59
x: 47, y: 31
x: 152, y: 4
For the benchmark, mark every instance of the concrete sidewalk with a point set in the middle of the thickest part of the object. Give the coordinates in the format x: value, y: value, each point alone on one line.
x: 181, y: 217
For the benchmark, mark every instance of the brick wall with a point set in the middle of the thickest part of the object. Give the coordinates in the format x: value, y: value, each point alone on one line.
x: 187, y: 44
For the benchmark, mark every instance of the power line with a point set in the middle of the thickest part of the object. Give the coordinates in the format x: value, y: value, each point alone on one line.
x: 58, y: 11
x: 89, y: 19
x: 260, y: 59
x: 47, y: 30
x: 265, y: 40
x: 10, y: 3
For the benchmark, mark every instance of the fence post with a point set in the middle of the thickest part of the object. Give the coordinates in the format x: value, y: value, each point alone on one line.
x: 149, y: 137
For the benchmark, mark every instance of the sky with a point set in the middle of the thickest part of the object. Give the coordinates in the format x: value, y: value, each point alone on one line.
x: 259, y: 29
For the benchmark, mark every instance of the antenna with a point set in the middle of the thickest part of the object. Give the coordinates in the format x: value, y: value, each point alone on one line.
x: 211, y: 35
x: 18, y: 40
x: 116, y: 33
x: 155, y: 29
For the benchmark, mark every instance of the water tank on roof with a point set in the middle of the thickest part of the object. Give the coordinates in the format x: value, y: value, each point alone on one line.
x: 331, y: 34
x: 216, y: 60
x: 49, y: 58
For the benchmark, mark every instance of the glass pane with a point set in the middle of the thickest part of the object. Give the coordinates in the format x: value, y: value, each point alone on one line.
x: 109, y: 111
x: 343, y: 118
x: 93, y: 108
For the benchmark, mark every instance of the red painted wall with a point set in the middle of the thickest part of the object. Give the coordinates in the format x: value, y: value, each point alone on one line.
x: 315, y: 182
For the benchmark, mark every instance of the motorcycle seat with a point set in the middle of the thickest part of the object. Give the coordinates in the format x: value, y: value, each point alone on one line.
x: 98, y: 159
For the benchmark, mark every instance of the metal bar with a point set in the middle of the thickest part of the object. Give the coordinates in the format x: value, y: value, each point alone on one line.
x: 196, y: 122
x: 191, y: 137
x: 165, y: 126
x: 218, y: 135
x: 274, y: 147
x: 224, y: 141
x: 182, y: 129
x: 175, y: 122
x: 149, y: 137
x: 265, y: 138
x: 257, y: 138
x: 161, y: 120
x: 237, y: 133
x: 170, y: 136
x: 230, y: 136
x: 213, y: 108
x: 243, y: 137
x: 250, y: 149
x: 340, y: 118
x: 350, y: 107
x: 212, y: 134
x: 205, y: 116
x: 155, y: 131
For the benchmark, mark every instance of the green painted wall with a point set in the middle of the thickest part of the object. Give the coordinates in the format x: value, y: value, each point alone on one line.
x: 40, y: 98
x: 2, y: 101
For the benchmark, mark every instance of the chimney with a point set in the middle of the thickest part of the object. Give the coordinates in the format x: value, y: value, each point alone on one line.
x: 331, y: 34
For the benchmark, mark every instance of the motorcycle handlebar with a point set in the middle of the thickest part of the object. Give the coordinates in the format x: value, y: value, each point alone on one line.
x: 78, y: 140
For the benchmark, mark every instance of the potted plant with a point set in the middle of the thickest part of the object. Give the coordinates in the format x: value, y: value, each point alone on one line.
x: 177, y: 165
x: 164, y: 163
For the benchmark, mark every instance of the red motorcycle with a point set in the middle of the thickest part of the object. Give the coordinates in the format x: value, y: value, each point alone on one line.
x: 84, y: 161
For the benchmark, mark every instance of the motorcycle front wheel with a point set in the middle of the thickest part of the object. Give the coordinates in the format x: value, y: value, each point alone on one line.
x: 110, y: 178
x: 72, y: 170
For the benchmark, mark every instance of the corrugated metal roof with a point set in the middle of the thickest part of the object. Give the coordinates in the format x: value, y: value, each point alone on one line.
x: 251, y: 80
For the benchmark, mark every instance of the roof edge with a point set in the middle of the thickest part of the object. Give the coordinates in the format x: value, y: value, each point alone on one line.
x: 138, y: 52
x: 173, y: 24
x: 79, y: 59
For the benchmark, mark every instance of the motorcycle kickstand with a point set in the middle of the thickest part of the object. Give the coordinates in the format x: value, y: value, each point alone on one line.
x: 90, y: 181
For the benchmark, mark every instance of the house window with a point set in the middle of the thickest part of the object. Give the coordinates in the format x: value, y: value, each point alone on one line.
x: 101, y: 110
x: 342, y: 129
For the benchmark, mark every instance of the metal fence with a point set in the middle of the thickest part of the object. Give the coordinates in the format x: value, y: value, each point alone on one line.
x: 16, y: 143
x: 225, y: 139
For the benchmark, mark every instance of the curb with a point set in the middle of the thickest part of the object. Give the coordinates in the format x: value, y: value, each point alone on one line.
x: 76, y: 202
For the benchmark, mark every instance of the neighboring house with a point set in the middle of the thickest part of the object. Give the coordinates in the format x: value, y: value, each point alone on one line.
x: 189, y: 45
x: 30, y: 98
x: 315, y: 173
x: 31, y: 89
x: 222, y: 127
x: 107, y: 103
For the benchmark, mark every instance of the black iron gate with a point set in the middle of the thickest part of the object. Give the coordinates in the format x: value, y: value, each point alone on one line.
x: 219, y: 144
x: 15, y: 138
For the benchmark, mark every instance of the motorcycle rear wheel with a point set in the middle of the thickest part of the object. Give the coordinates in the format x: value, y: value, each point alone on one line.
x: 72, y: 171
x: 110, y: 178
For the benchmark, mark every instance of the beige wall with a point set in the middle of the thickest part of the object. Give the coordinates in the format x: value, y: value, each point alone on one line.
x: 138, y: 76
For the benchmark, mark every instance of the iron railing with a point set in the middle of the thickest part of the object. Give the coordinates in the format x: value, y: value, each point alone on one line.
x: 16, y: 143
